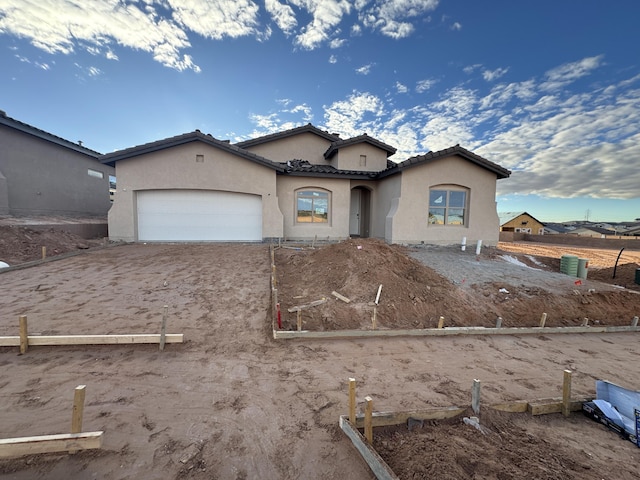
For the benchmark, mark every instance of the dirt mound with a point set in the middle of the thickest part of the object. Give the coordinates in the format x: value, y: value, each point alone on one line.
x: 415, y: 296
x: 625, y: 275
x: 451, y: 450
x: 20, y: 244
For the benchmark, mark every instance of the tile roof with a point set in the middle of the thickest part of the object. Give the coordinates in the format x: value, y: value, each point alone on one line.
x: 308, y: 128
x: 304, y: 168
x: 501, y: 172
x: 49, y: 137
x: 196, y: 136
x: 364, y: 138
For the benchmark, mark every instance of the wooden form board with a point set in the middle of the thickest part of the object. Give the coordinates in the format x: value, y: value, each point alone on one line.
x: 438, y: 332
x: 14, y: 341
x: 554, y: 405
x: 17, y: 447
x: 384, y: 419
x: 377, y: 465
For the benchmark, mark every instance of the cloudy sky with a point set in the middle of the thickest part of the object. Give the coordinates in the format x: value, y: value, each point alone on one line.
x: 549, y: 89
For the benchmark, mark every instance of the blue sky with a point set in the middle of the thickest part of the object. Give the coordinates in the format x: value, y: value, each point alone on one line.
x: 548, y: 89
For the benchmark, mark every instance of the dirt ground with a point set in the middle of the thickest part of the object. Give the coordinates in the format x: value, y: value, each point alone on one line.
x: 420, y: 284
x: 232, y: 403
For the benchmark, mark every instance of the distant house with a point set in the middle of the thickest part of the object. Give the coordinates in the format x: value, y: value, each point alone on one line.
x: 42, y: 174
x: 591, y: 231
x: 520, y: 222
x: 301, y: 184
x: 556, y: 228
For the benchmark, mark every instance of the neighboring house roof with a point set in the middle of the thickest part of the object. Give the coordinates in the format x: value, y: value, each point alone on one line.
x: 49, y: 137
x: 456, y: 150
x: 196, y: 136
x: 364, y: 138
x: 308, y: 128
x: 601, y: 231
x: 506, y: 217
x: 556, y: 227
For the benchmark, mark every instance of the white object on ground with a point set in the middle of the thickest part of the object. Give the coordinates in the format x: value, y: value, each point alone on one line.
x: 3, y: 265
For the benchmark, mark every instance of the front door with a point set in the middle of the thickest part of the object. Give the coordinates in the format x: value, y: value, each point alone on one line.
x: 354, y: 212
x: 359, y: 212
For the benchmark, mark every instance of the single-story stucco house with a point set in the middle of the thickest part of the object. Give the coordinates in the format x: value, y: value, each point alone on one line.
x: 43, y: 174
x: 300, y: 184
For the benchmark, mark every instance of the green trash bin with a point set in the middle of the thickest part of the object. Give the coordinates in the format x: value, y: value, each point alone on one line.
x: 637, y: 276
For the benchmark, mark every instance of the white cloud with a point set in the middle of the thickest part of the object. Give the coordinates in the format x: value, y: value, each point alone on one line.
x: 217, y: 18
x: 357, y: 114
x: 62, y: 26
x: 424, y: 85
x: 365, y: 69
x: 283, y: 15
x: 333, y: 59
x: 337, y: 43
x: 457, y: 26
x: 563, y: 75
x: 393, y: 17
x: 491, y: 75
x: 327, y: 15
x: 400, y: 88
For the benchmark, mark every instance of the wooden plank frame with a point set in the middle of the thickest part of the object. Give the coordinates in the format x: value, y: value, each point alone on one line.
x: 446, y: 331
x: 378, y: 466
x: 18, y: 447
x: 35, y: 340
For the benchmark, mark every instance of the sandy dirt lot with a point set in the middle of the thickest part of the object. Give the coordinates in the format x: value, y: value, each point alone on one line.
x: 232, y: 403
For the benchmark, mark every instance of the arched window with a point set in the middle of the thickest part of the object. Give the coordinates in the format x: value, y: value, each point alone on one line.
x: 312, y: 205
x: 448, y: 205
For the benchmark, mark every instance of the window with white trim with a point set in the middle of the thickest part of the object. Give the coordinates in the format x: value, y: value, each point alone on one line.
x: 447, y: 207
x: 312, y: 206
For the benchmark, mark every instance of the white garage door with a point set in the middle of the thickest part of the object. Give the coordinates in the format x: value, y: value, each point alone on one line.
x: 198, y: 215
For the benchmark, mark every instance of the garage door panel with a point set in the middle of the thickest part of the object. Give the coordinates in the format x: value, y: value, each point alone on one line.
x: 198, y: 215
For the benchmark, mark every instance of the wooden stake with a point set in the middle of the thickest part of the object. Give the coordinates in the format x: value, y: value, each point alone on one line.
x: 378, y: 294
x: 566, y: 393
x: 315, y: 239
x: 299, y: 320
x: 273, y: 275
x: 78, y: 408
x: 24, y: 334
x: 368, y: 422
x: 352, y: 400
x: 441, y: 322
x: 44, y: 252
x: 163, y: 328
x: 475, y: 397
x: 78, y: 411
x: 543, y: 320
x: 374, y: 322
x: 341, y: 297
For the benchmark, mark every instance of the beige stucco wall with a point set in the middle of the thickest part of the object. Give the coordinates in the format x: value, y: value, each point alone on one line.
x: 304, y: 146
x: 388, y: 194
x: 348, y: 158
x: 408, y: 223
x: 176, y: 168
x: 340, y: 196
